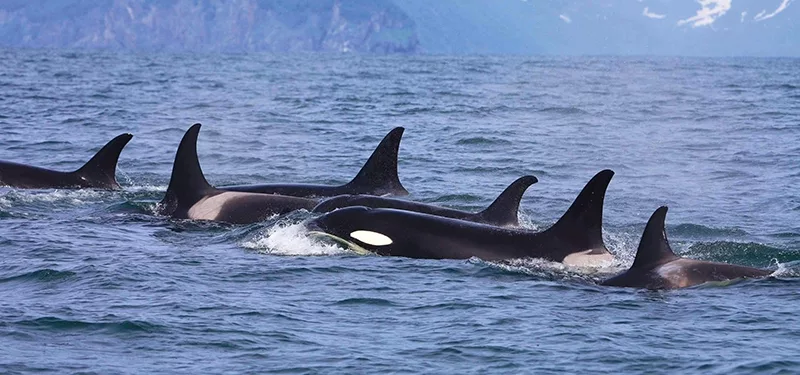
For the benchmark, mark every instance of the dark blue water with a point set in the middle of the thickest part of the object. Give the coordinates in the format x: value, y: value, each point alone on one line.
x: 93, y: 282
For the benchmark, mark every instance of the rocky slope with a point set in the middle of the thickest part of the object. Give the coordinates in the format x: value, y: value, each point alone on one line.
x: 215, y: 25
x: 554, y: 27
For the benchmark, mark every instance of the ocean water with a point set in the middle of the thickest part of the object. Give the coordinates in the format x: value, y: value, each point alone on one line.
x: 94, y: 282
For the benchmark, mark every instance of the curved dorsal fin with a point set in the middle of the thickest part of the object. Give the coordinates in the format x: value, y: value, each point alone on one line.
x: 504, y: 211
x: 379, y: 173
x: 582, y: 224
x: 187, y: 184
x: 654, y: 248
x: 102, y: 167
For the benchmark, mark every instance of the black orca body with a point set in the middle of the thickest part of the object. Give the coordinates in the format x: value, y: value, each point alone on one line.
x: 378, y: 176
x: 657, y: 267
x: 190, y: 196
x: 99, y: 172
x: 575, y: 239
x: 503, y: 212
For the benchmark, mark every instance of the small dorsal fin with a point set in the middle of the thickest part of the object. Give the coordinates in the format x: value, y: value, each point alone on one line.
x: 187, y: 184
x: 654, y: 248
x: 504, y: 211
x: 582, y: 224
x: 101, y: 169
x: 379, y: 176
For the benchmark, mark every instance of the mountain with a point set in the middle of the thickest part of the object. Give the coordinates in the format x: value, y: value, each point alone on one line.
x: 215, y: 25
x: 554, y: 27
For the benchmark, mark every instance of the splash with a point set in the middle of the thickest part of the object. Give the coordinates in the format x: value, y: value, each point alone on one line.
x: 623, y: 245
x: 548, y: 270
x: 145, y: 188
x: 290, y: 239
x: 788, y: 270
x: 526, y: 222
x: 72, y: 197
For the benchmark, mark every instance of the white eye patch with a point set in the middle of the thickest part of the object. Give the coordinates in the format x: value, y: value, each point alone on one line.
x: 371, y: 238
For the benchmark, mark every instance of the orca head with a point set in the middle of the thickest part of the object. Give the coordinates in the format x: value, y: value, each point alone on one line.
x: 354, y: 228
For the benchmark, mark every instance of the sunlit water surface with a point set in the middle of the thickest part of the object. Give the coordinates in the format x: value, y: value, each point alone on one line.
x: 94, y: 282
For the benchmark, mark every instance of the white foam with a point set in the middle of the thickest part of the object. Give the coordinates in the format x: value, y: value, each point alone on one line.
x: 526, y: 222
x: 544, y: 268
x: 75, y: 197
x: 586, y: 259
x: 791, y: 269
x: 290, y: 239
x: 622, y: 245
x: 145, y: 188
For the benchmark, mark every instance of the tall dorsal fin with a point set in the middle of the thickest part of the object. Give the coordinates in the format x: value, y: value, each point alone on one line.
x: 583, y: 221
x: 187, y: 184
x: 379, y: 173
x: 504, y: 211
x: 654, y: 248
x: 102, y: 167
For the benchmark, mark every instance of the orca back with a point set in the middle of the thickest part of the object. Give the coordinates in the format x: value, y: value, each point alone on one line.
x: 99, y: 172
x: 377, y: 177
x: 656, y: 266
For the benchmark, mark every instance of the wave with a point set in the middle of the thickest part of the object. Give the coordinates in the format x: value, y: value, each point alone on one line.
x: 563, y: 110
x: 746, y: 253
x: 483, y: 141
x: 364, y: 301
x: 75, y: 120
x: 42, y: 275
x: 134, y: 207
x: 67, y: 75
x: 781, y: 86
x: 450, y: 306
x: 508, y: 170
x: 50, y: 323
x: 702, y: 231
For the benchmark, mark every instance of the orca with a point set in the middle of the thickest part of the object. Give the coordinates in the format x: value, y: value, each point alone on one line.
x: 378, y: 176
x: 190, y: 196
x: 503, y: 212
x: 576, y: 238
x: 657, y: 267
x: 99, y: 172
